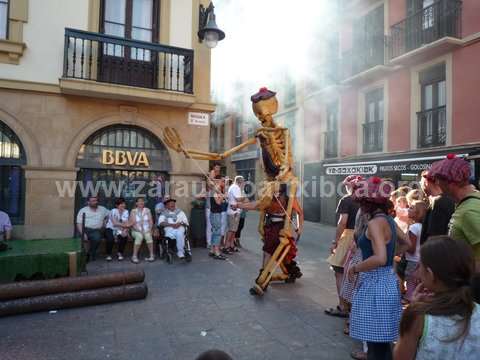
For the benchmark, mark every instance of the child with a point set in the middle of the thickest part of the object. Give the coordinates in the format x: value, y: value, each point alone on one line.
x: 444, y: 324
x: 416, y: 194
x: 401, y: 213
x: 416, y: 213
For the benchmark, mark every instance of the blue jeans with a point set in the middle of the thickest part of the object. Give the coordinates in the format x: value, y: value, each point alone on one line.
x: 216, y: 222
x: 94, y: 237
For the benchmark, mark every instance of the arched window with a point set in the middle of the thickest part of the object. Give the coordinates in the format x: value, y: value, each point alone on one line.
x: 12, y: 189
x: 128, y: 138
x: 122, y: 160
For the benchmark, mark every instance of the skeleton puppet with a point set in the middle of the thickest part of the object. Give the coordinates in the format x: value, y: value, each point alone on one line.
x: 278, y: 166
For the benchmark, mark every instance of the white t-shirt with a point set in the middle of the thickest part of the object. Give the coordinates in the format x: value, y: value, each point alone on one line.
x: 415, y: 229
x: 234, y: 193
x: 142, y: 219
x: 115, y: 214
x: 173, y: 217
x: 94, y: 218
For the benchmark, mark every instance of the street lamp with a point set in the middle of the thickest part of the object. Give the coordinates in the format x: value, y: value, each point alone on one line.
x: 208, y: 32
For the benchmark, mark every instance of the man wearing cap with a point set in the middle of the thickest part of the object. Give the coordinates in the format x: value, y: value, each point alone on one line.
x: 440, y: 210
x: 452, y: 175
x: 174, y: 220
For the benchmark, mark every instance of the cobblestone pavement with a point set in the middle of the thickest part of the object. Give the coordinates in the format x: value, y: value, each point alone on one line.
x: 194, y: 307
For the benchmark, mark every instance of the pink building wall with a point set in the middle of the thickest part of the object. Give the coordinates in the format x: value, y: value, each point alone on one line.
x: 348, y: 122
x: 397, y: 11
x: 470, y: 17
x: 466, y: 94
x: 312, y: 126
x: 398, y: 136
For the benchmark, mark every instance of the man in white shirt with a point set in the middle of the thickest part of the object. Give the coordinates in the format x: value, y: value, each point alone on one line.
x: 234, y: 195
x: 93, y: 218
x: 174, y: 220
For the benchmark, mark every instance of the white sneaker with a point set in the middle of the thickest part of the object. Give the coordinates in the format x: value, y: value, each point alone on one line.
x: 150, y: 259
x: 108, y: 258
x: 135, y: 260
x: 120, y: 257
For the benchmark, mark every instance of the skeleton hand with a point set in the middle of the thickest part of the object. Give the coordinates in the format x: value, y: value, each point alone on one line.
x: 173, y: 140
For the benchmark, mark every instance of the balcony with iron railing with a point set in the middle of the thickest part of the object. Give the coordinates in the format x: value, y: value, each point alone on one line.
x: 111, y: 66
x: 365, y: 61
x: 427, y: 33
x: 432, y: 127
x: 373, y: 136
x: 331, y: 144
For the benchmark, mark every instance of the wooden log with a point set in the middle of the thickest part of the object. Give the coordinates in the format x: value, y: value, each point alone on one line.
x: 25, y: 289
x: 73, y: 299
x: 72, y: 264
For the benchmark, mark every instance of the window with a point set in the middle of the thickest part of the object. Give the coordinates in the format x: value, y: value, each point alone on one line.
x: 238, y: 130
x: 331, y: 133
x: 432, y: 120
x: 368, y: 41
x: 290, y: 124
x: 373, y: 127
x: 290, y: 93
x: 12, y: 188
x: 3, y: 19
x: 131, y: 19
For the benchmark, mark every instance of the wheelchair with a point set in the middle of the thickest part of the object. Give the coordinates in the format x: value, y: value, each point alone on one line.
x: 167, y: 247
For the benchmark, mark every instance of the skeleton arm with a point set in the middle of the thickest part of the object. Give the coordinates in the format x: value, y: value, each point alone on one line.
x: 174, y: 141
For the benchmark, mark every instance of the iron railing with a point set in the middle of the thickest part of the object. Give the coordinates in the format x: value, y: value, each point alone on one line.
x: 111, y: 59
x: 432, y: 127
x: 331, y: 147
x: 373, y: 136
x: 441, y: 19
x: 364, y: 56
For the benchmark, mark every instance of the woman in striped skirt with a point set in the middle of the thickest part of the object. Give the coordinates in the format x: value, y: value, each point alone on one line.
x: 376, y: 305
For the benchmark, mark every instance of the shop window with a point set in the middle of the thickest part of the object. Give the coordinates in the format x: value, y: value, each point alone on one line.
x: 12, y: 188
x: 432, y: 119
x: 373, y: 126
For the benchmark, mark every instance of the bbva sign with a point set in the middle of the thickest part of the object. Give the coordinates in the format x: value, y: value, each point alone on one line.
x: 122, y: 158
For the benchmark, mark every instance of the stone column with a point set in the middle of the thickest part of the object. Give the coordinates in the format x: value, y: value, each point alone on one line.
x: 49, y: 213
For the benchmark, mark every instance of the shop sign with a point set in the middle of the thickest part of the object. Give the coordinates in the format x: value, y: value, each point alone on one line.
x: 352, y: 170
x: 122, y: 158
x: 406, y: 167
x: 198, y: 119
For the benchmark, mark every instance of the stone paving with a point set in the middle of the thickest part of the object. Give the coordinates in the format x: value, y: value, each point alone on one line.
x: 194, y: 307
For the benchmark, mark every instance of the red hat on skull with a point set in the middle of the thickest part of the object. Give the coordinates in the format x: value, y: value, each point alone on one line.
x: 262, y: 94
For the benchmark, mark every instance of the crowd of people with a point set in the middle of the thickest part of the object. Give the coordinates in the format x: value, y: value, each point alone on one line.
x: 224, y: 222
x: 406, y: 265
x: 119, y: 224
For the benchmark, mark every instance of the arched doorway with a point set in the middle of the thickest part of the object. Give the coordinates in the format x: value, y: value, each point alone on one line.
x: 12, y: 181
x: 122, y: 161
